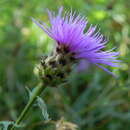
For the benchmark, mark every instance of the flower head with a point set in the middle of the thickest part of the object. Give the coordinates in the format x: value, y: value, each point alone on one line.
x: 71, y: 38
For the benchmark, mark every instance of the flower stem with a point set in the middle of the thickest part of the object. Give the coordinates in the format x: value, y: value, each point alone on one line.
x: 36, y: 92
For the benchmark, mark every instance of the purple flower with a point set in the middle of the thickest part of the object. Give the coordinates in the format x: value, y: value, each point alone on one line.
x: 69, y: 32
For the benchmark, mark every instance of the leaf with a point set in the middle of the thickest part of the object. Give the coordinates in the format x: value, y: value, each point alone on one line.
x: 43, y: 108
x: 6, y: 124
x: 29, y: 92
x: 19, y: 126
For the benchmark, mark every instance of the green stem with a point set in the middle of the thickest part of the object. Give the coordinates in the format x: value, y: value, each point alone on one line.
x: 36, y: 92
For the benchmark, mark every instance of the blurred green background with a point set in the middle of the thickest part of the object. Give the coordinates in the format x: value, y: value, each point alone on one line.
x: 93, y: 100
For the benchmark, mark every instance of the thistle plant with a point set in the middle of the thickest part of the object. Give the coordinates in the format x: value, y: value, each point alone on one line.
x: 73, y: 44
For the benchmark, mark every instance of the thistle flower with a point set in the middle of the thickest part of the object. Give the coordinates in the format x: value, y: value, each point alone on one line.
x: 71, y: 39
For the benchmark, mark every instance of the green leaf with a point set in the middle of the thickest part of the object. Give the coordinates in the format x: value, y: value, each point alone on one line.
x: 19, y: 126
x: 6, y: 124
x: 29, y: 92
x: 43, y: 108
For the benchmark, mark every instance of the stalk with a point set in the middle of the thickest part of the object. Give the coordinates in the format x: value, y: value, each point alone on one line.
x: 36, y: 92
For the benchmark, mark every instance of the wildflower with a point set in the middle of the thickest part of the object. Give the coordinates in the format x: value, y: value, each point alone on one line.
x: 74, y: 43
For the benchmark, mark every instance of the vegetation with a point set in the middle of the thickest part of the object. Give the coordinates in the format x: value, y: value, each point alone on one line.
x: 93, y: 100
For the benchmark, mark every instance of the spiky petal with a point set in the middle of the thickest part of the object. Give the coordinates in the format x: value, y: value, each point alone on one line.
x: 69, y: 31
